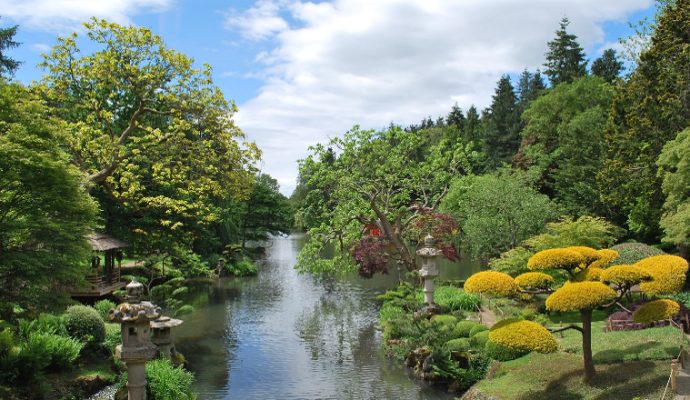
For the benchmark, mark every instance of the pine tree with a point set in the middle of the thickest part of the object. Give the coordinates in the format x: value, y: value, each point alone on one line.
x: 648, y: 110
x: 565, y: 60
x: 7, y: 64
x: 456, y: 117
x: 530, y: 86
x: 607, y: 66
x: 502, y: 136
x: 470, y: 133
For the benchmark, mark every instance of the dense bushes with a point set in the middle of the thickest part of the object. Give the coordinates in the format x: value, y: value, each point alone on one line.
x: 243, y: 267
x: 103, y: 307
x: 166, y: 382
x: 85, y: 324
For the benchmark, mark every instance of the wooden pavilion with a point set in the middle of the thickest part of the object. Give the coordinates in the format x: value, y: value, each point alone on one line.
x: 104, y: 277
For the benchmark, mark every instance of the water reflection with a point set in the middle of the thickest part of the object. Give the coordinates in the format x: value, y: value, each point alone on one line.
x: 282, y: 335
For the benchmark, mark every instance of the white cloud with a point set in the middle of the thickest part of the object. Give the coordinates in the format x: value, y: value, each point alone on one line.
x: 346, y: 62
x: 66, y: 15
x: 40, y: 47
x: 260, y: 21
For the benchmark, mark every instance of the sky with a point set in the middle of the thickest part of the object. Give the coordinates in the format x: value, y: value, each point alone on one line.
x: 302, y: 72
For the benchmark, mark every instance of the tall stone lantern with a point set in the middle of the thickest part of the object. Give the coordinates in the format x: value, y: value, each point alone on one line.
x: 134, y: 317
x: 429, y: 270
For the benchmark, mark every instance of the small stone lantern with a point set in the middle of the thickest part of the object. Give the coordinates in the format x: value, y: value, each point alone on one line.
x: 134, y: 317
x: 162, y: 335
x: 429, y: 270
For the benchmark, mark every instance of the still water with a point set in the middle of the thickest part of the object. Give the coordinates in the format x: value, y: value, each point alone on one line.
x: 282, y: 335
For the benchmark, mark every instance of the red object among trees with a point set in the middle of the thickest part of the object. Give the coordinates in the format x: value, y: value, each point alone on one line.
x: 374, y: 230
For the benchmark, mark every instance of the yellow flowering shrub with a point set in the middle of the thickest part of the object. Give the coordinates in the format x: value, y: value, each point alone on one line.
x: 577, y: 296
x: 589, y: 274
x: 625, y: 275
x: 492, y: 283
x: 656, y: 310
x: 523, y: 335
x: 606, y: 257
x: 589, y: 254
x: 535, y: 280
x: 556, y: 259
x: 668, y: 274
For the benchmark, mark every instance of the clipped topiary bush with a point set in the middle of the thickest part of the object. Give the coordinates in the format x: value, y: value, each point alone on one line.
x: 523, y: 336
x: 668, y: 273
x: 463, y: 328
x: 479, y: 340
x: 85, y: 324
x: 502, y: 353
x: 460, y: 344
x: 478, y: 328
x: 491, y: 283
x: 534, y: 280
x: 625, y: 275
x: 656, y: 310
x: 103, y: 307
x: 589, y: 274
x: 580, y: 296
x: 630, y: 253
x: 560, y: 258
x: 606, y: 257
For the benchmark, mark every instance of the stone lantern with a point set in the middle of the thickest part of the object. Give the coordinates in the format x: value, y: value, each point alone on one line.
x: 429, y: 270
x: 162, y: 335
x: 134, y: 317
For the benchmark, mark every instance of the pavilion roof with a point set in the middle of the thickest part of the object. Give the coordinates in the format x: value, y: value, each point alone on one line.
x: 103, y: 242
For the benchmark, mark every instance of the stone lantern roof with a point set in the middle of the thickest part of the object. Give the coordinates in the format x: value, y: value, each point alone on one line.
x: 135, y: 310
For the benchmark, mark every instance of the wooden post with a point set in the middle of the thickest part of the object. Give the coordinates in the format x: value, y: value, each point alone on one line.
x: 561, y: 326
x: 674, y: 372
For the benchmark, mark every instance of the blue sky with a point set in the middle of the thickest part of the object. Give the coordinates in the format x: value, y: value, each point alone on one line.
x: 304, y: 71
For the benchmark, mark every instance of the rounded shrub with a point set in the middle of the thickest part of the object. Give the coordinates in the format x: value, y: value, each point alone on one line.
x: 522, y: 335
x: 668, y: 273
x: 478, y: 328
x: 491, y: 283
x: 534, y: 280
x: 463, y: 328
x: 577, y: 296
x: 559, y: 258
x: 460, y: 344
x: 656, y: 310
x: 606, y: 257
x: 85, y: 324
x: 589, y: 274
x: 632, y: 252
x: 103, y: 307
x: 444, y: 319
x: 625, y: 275
x: 589, y: 254
x: 479, y: 340
x: 502, y: 353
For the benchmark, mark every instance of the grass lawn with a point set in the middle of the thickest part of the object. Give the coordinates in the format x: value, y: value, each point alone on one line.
x: 629, y: 364
x: 560, y: 376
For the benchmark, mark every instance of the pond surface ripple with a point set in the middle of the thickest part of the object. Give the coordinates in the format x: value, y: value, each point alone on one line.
x: 282, y: 335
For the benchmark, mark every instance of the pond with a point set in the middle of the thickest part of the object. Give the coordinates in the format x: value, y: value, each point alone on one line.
x: 283, y: 335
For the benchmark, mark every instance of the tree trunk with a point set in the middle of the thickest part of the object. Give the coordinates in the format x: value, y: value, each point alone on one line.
x: 587, y: 344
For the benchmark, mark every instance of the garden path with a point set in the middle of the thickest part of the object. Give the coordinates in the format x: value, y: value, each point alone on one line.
x: 488, y: 317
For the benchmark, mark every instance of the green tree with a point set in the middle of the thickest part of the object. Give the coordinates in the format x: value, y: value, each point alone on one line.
x: 563, y: 145
x: 589, y: 287
x: 44, y: 211
x: 648, y: 110
x: 530, y: 86
x: 565, y: 60
x: 607, y: 67
x: 7, y: 64
x: 502, y: 135
x: 384, y: 179
x: 267, y: 211
x: 674, y: 163
x: 456, y: 117
x: 154, y: 135
x: 496, y: 212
